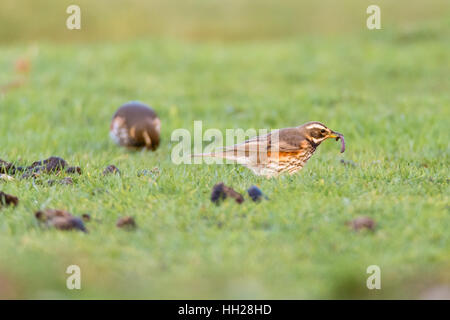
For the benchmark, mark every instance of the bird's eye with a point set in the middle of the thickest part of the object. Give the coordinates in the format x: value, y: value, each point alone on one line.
x: 322, y: 131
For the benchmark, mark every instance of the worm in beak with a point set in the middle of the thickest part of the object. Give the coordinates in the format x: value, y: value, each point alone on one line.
x: 339, y: 136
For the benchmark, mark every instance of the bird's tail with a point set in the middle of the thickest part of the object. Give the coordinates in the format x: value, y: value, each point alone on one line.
x: 212, y: 154
x: 228, y: 155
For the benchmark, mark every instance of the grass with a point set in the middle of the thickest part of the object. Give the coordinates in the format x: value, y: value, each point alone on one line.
x: 386, y: 91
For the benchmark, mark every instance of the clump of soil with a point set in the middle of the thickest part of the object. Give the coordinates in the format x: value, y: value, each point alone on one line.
x: 127, y: 223
x: 65, y: 181
x: 60, y: 219
x: 73, y: 170
x: 7, y: 200
x: 50, y: 165
x: 86, y: 217
x: 9, y: 167
x: 221, y: 192
x: 111, y: 169
x: 362, y: 223
x: 29, y: 174
x: 6, y: 167
x: 53, y: 165
x: 256, y: 194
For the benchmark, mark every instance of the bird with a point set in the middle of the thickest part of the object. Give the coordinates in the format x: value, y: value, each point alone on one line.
x: 280, y: 151
x: 136, y: 125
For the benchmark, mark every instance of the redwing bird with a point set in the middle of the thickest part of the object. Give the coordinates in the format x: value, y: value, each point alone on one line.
x: 136, y: 125
x: 283, y: 150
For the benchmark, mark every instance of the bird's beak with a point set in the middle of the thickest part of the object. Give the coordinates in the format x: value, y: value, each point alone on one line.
x: 334, y: 134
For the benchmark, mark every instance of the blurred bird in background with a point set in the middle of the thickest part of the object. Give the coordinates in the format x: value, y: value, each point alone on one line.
x: 136, y: 125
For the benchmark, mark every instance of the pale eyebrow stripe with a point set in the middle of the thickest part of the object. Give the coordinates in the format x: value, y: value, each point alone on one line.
x: 318, y: 126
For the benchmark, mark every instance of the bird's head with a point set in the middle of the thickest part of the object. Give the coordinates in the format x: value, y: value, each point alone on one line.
x: 317, y: 132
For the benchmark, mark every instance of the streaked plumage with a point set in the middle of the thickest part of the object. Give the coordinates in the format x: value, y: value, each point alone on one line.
x: 284, y: 150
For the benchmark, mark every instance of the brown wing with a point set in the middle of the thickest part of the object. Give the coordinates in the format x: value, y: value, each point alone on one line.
x: 287, y: 140
x: 283, y: 140
x: 258, y: 149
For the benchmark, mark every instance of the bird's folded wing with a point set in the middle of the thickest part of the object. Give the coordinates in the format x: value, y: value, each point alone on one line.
x: 284, y: 140
x: 287, y: 140
x: 256, y: 144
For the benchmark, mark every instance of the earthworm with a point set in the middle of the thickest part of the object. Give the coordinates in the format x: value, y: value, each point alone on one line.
x: 342, y: 142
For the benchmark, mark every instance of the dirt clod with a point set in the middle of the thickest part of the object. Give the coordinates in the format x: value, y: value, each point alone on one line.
x: 362, y: 223
x: 221, y: 192
x: 127, y: 223
x: 73, y: 223
x: 255, y: 194
x: 7, y: 199
x: 7, y: 167
x: 37, y: 168
x: 66, y: 181
x: 217, y: 193
x: 60, y: 219
x: 111, y: 169
x: 30, y: 174
x: 52, y: 164
x: 48, y: 214
x: 73, y: 170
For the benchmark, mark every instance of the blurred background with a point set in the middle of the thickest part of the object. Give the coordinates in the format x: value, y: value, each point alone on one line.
x: 225, y: 20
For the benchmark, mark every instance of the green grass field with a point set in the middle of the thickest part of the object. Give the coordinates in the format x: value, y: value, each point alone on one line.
x: 387, y: 92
